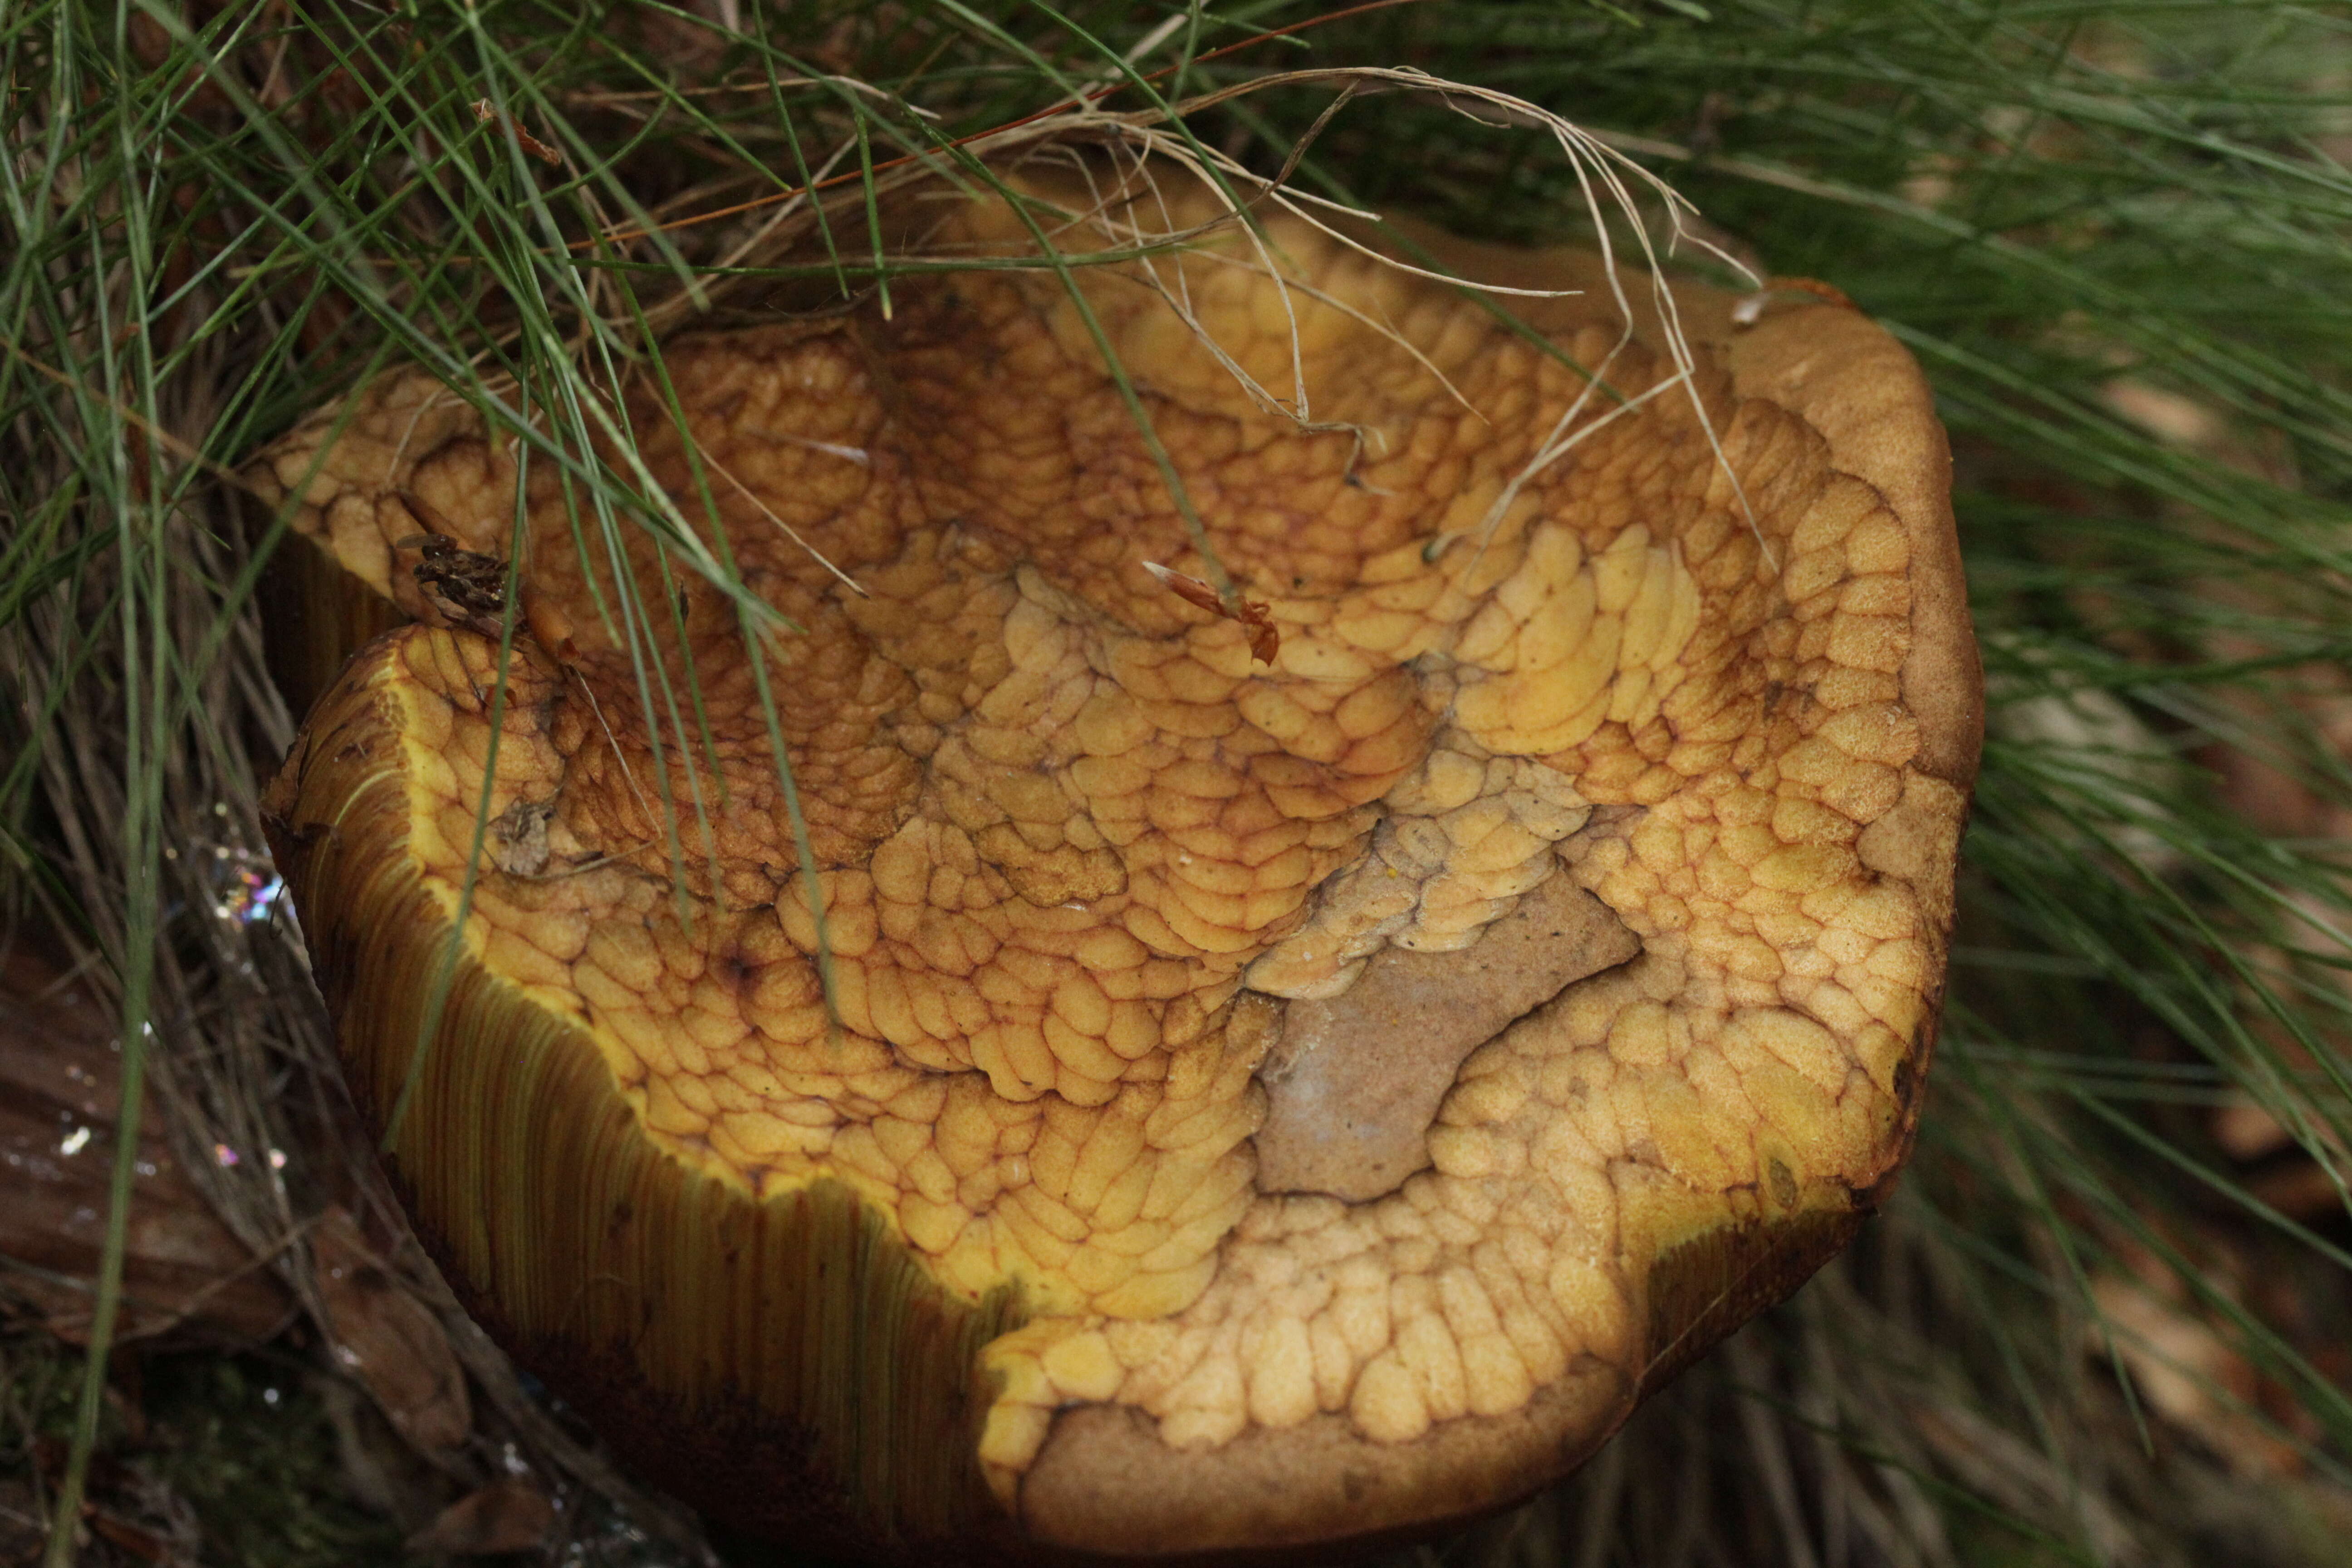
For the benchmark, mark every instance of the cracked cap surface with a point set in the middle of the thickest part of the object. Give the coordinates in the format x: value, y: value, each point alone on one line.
x: 1696, y: 648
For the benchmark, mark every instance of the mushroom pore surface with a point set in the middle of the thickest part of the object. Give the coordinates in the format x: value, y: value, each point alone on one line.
x: 1554, y: 626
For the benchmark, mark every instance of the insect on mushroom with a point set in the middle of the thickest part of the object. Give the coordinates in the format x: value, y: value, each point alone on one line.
x: 466, y: 585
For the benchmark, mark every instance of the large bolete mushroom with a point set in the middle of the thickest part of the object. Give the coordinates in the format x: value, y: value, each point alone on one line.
x: 1265, y: 1101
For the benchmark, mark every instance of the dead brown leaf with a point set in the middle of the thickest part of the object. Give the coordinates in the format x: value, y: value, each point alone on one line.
x: 2191, y: 1377
x: 389, y: 1338
x: 143, y: 1544
x: 187, y: 1275
x: 509, y: 1514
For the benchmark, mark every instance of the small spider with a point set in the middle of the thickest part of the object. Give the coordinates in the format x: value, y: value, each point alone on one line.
x: 466, y: 585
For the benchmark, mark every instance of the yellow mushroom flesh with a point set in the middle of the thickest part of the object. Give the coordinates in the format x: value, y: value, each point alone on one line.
x: 1077, y: 848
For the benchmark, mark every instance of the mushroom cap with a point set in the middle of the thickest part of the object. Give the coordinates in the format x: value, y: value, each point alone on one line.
x: 1266, y: 1095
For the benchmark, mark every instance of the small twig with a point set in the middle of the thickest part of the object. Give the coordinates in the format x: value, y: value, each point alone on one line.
x: 1265, y: 641
x: 488, y: 113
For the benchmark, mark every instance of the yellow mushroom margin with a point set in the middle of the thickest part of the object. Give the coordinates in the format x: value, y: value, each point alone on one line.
x: 1076, y: 846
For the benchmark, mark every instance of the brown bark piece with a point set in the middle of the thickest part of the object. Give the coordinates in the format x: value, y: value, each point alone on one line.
x: 1355, y: 1081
